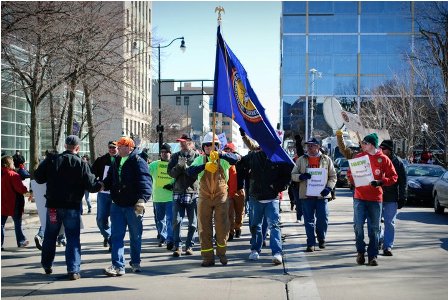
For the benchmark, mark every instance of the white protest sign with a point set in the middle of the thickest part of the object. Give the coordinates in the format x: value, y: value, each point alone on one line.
x: 361, y: 170
x: 222, y: 140
x: 317, y: 182
x: 106, y: 169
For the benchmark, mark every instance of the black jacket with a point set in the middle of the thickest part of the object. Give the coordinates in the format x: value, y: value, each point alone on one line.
x: 396, y: 192
x: 183, y: 183
x: 100, y: 163
x: 267, y: 178
x: 67, y: 177
x: 135, y: 183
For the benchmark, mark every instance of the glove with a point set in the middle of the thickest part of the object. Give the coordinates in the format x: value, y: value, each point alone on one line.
x: 214, y: 155
x: 211, y: 167
x: 168, y: 187
x: 298, y: 137
x: 305, y: 176
x: 338, y: 132
x: 376, y: 183
x: 401, y: 203
x: 182, y: 161
x: 242, y: 132
x: 240, y: 195
x: 325, y: 192
x: 139, y: 208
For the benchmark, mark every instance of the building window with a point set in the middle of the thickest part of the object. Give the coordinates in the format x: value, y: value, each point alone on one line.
x: 178, y: 100
x: 127, y: 125
x: 186, y: 100
x: 127, y: 99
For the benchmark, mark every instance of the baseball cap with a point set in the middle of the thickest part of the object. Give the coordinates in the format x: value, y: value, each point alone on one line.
x: 312, y: 141
x: 184, y: 138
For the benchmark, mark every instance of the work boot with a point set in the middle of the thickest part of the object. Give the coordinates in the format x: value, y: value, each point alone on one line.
x: 223, y: 259
x: 322, y: 244
x: 169, y: 246
x: 237, y: 233
x: 189, y: 251
x: 360, y: 259
x: 373, y: 261
x: 387, y: 252
x: 177, y: 252
x: 74, y: 276
x: 309, y: 249
x: 230, y: 237
x: 208, y: 263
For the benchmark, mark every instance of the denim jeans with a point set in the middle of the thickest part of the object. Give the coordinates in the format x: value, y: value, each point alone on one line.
x: 164, y: 220
x: 271, y: 211
x: 120, y: 218
x: 315, y: 218
x: 17, y: 218
x: 179, y: 211
x: 103, y: 204
x: 370, y: 211
x: 88, y: 201
x: 389, y: 215
x: 71, y: 218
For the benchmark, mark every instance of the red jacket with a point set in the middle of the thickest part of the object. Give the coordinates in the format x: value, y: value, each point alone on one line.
x: 11, y: 185
x: 382, y: 169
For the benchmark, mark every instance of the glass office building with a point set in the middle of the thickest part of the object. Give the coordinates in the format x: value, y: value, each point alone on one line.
x: 353, y: 46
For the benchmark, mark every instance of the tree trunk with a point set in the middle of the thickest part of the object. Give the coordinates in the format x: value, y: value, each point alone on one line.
x: 71, y: 104
x: 90, y: 128
x: 34, y: 141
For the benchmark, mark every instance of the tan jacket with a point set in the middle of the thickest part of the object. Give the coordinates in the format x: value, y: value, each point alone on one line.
x: 300, y: 168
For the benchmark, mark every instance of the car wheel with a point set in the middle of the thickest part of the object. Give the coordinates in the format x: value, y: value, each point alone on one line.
x: 438, y: 209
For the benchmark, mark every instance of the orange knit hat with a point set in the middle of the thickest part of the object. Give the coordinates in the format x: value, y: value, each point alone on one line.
x: 125, y: 141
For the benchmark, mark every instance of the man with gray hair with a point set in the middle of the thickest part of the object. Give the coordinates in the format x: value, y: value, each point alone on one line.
x: 67, y: 177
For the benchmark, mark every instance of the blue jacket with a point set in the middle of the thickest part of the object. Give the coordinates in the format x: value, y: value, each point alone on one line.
x: 135, y: 184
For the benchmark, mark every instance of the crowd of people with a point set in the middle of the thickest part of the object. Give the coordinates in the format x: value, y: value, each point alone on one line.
x: 213, y: 188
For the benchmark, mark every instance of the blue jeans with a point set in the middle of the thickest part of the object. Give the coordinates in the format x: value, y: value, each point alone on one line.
x: 178, y: 214
x: 389, y: 214
x: 71, y: 218
x: 88, y: 201
x: 122, y: 217
x: 164, y: 220
x: 17, y: 218
x: 103, y: 204
x: 315, y: 218
x: 370, y: 211
x: 271, y: 211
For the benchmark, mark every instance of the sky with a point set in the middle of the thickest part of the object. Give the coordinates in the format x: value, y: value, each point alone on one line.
x: 251, y: 29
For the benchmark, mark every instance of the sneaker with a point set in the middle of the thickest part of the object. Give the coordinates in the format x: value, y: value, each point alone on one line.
x: 189, y: 251
x: 161, y: 244
x: 38, y: 241
x: 254, y: 255
x: 105, y: 242
x: 113, y: 271
x: 62, y: 242
x: 387, y: 252
x: 237, y: 233
x: 373, y: 262
x: 208, y: 263
x: 321, y: 244
x: 74, y: 276
x: 309, y: 249
x: 360, y: 259
x: 277, y: 259
x: 89, y: 211
x: 177, y: 252
x: 48, y: 271
x: 135, y: 267
x: 24, y: 244
x: 169, y: 246
x: 223, y: 259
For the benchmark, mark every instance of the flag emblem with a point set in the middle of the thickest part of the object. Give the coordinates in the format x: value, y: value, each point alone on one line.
x: 245, y: 104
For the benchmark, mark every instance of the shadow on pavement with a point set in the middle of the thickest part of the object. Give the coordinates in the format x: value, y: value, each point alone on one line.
x: 426, y: 217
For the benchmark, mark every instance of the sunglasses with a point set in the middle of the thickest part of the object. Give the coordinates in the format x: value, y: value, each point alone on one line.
x: 113, y: 148
x: 365, y: 143
x: 210, y: 144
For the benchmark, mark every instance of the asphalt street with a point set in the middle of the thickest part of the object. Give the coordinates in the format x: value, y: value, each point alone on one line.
x: 418, y: 269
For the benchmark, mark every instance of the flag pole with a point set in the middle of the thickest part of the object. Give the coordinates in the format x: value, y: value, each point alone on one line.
x: 219, y: 10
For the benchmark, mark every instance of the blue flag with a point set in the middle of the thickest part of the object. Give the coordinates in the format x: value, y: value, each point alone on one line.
x: 234, y: 97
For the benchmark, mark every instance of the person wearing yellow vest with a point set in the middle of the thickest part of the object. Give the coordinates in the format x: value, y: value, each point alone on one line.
x: 162, y: 197
x: 212, y: 170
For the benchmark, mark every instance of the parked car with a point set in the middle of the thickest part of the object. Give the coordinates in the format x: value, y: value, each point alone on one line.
x: 440, y: 193
x: 420, y: 181
x: 341, y: 166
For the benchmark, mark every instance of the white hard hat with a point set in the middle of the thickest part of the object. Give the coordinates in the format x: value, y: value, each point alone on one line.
x: 208, y: 138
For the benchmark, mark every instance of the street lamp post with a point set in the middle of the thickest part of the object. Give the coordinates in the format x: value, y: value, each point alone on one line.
x: 313, y: 78
x: 424, y: 129
x: 159, y: 127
